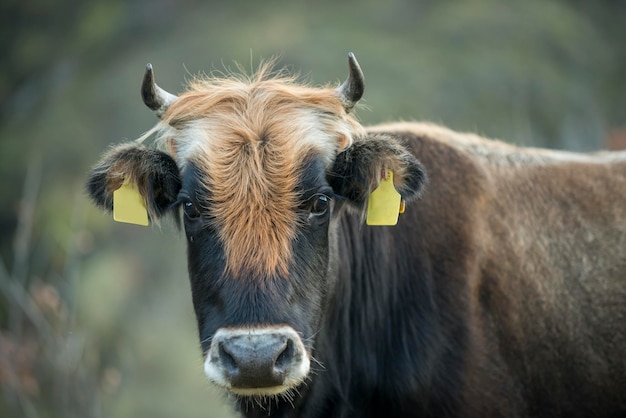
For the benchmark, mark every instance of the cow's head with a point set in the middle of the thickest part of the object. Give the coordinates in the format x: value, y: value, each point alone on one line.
x: 261, y: 168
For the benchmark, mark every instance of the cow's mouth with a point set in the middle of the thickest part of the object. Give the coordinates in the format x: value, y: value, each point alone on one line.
x: 264, y: 361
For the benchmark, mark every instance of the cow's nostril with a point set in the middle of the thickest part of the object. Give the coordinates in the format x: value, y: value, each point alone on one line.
x: 228, y: 361
x: 285, y: 358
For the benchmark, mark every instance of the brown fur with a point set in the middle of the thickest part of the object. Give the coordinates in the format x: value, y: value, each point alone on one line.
x: 544, y: 239
x: 249, y: 137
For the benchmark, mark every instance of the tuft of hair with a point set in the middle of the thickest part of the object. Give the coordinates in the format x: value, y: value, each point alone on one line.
x: 204, y: 92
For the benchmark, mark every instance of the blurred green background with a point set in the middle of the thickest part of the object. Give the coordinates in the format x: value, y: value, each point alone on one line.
x: 96, y: 317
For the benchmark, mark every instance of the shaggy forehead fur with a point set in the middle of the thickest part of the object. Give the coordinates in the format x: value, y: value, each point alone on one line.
x: 250, y: 137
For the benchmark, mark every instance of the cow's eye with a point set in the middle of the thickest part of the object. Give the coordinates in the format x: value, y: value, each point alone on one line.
x: 190, y: 209
x: 320, y: 205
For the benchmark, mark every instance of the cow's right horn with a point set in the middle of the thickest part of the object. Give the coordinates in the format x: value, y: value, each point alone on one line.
x: 351, y: 91
x: 154, y: 96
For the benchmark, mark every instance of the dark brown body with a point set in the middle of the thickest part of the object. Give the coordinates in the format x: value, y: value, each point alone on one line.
x: 502, y: 292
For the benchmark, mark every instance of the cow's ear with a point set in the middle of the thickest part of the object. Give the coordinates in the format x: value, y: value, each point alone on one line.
x: 357, y: 171
x: 153, y: 173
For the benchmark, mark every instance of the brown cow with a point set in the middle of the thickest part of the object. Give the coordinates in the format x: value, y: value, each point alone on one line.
x: 501, y: 291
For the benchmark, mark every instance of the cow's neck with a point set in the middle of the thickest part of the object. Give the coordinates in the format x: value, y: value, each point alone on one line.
x: 372, y: 316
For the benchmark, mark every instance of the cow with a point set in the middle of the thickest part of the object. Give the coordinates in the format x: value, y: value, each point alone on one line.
x: 501, y: 291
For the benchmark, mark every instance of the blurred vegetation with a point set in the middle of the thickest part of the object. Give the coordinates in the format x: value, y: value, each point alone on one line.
x: 96, y: 317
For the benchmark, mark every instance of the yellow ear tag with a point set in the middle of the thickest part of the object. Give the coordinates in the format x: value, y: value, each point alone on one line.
x: 383, y: 206
x: 128, y: 206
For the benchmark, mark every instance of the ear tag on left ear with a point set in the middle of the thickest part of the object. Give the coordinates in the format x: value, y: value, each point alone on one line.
x: 383, y: 206
x: 128, y: 206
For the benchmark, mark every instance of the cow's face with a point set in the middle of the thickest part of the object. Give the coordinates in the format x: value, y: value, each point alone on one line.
x: 261, y: 170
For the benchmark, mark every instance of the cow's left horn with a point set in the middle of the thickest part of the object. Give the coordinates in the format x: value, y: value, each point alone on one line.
x: 352, y: 89
x: 154, y: 96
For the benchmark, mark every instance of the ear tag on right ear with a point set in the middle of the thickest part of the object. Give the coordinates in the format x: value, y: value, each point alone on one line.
x: 128, y: 206
x: 383, y: 206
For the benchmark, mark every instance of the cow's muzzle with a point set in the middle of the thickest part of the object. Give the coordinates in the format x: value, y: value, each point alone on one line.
x: 257, y: 361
